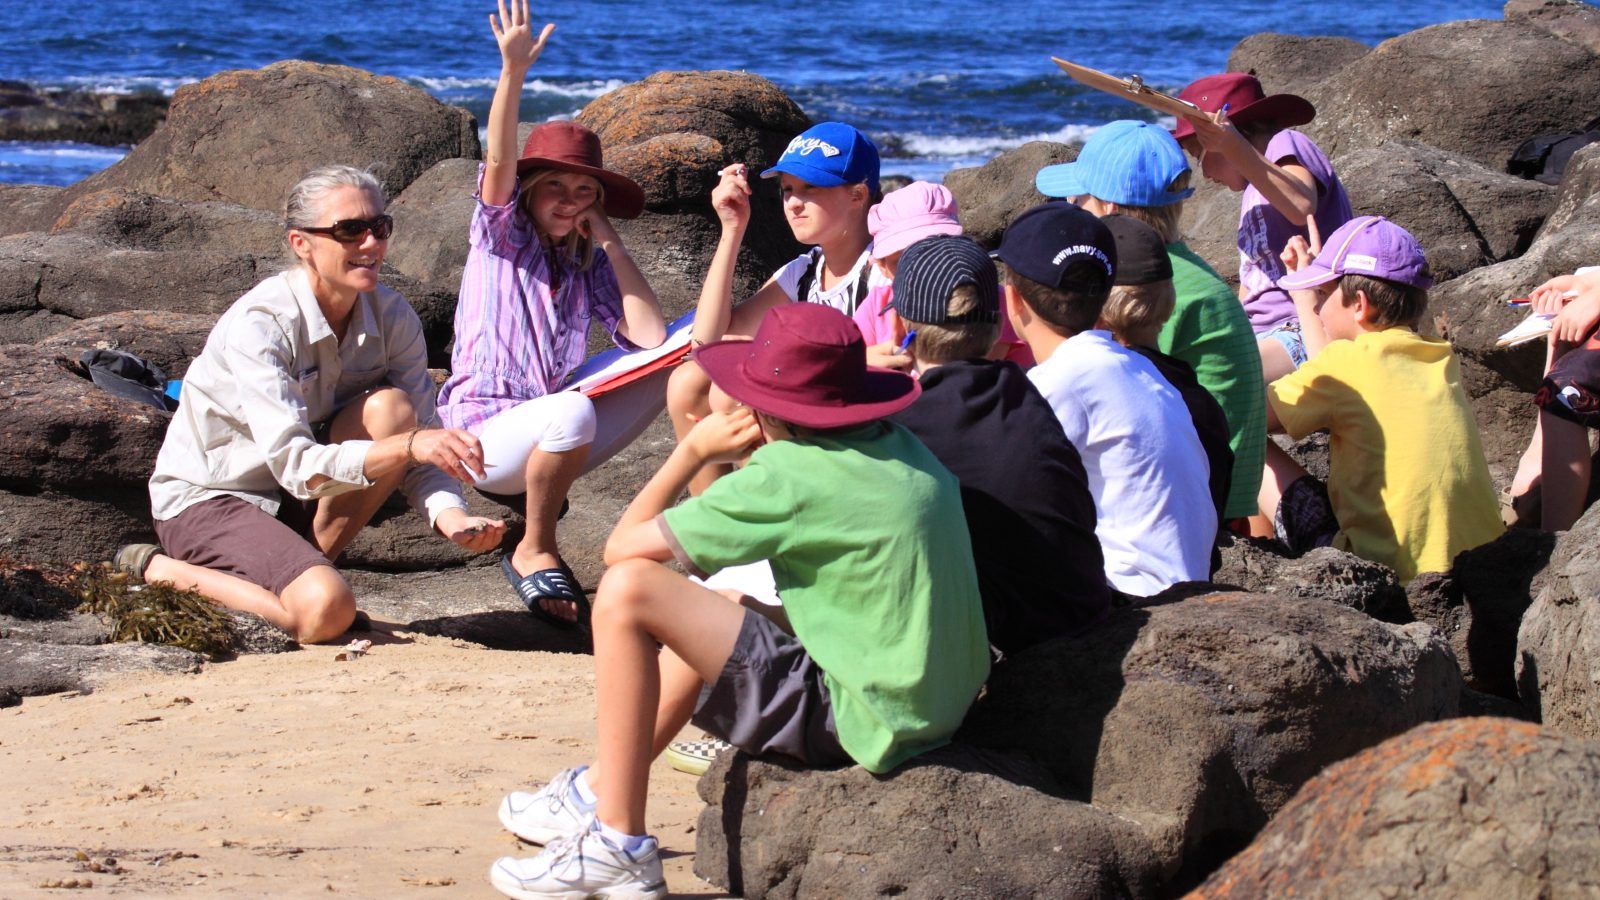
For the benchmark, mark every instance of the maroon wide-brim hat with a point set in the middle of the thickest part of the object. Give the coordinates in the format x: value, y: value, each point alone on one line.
x: 1246, y: 102
x: 571, y: 147
x: 807, y: 365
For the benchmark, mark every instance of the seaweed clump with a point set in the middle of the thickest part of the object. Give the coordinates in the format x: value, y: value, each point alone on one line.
x: 153, y: 613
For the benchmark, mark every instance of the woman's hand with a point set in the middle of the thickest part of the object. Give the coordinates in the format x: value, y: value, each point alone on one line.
x: 724, y: 437
x: 475, y: 533
x: 519, y: 49
x: 1577, y: 320
x: 452, y: 450
x: 731, y: 198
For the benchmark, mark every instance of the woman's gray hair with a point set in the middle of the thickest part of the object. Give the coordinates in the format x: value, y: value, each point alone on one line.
x: 304, y: 205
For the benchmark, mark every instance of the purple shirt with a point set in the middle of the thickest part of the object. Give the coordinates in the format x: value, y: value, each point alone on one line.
x: 514, y: 340
x: 1264, y: 232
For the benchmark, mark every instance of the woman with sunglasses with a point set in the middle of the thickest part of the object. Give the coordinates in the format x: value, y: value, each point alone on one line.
x: 310, y: 404
x: 544, y: 261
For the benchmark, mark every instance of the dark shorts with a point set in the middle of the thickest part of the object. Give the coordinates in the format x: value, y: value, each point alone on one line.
x: 770, y: 699
x: 1305, y: 519
x: 235, y: 536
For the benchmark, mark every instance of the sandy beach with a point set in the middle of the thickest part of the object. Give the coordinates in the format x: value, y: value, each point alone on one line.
x: 297, y: 775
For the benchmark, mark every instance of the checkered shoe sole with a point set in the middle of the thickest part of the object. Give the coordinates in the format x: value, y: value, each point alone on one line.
x: 695, y: 757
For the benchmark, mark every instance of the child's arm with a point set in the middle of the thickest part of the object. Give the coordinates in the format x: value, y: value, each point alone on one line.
x: 719, y: 437
x: 641, y: 322
x: 1289, y: 187
x: 518, y: 50
x: 731, y: 201
x: 1297, y: 254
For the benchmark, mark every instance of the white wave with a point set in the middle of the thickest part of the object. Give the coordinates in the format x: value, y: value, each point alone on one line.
x: 945, y: 145
x: 117, y: 84
x: 61, y: 150
x: 586, y: 89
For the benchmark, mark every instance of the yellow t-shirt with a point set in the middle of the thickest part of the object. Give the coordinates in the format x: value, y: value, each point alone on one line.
x: 1407, y: 477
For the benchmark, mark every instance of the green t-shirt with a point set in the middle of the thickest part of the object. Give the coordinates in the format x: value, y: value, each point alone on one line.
x: 870, y: 553
x: 1210, y: 331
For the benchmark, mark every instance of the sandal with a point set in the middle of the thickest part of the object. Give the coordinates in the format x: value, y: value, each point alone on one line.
x: 548, y: 584
x: 132, y: 559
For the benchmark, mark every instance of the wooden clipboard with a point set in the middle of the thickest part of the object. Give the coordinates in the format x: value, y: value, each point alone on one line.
x: 1132, y: 88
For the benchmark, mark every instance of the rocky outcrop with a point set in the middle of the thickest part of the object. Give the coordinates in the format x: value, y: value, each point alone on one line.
x: 1478, y: 88
x: 85, y: 117
x: 1580, y: 180
x: 941, y: 826
x: 993, y: 194
x: 29, y: 668
x: 431, y: 221
x: 1465, y: 214
x: 339, y: 114
x: 1195, y: 720
x: 29, y: 207
x: 1558, y: 643
x: 1262, y: 566
x: 1569, y: 20
x: 1292, y: 63
x: 1472, y: 807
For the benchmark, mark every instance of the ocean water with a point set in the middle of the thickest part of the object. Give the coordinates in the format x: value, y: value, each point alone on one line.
x: 937, y: 85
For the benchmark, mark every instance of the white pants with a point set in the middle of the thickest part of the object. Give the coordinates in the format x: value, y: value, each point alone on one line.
x: 563, y: 421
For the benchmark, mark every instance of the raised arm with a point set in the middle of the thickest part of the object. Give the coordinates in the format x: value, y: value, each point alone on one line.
x: 1289, y: 187
x: 731, y: 201
x: 519, y: 49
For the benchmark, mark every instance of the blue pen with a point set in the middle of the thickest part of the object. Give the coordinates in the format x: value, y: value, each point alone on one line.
x: 1224, y: 109
x: 910, y: 336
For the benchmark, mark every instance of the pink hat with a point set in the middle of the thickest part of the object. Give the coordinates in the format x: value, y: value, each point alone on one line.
x: 807, y: 365
x: 916, y: 211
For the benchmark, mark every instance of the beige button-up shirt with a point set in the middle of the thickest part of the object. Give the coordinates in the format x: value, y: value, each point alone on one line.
x: 271, y: 370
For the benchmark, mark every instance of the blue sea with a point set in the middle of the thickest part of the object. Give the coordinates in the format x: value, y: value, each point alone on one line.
x: 937, y: 85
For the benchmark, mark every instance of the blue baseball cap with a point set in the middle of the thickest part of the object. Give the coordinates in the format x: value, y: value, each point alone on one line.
x: 1126, y: 162
x: 829, y: 154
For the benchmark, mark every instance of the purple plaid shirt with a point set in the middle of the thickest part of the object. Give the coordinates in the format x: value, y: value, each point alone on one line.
x: 514, y: 340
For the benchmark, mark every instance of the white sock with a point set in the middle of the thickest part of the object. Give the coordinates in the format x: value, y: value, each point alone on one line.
x: 628, y: 842
x: 585, y: 794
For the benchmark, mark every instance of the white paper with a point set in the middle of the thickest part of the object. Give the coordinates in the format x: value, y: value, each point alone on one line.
x: 603, y: 367
x: 1535, y: 326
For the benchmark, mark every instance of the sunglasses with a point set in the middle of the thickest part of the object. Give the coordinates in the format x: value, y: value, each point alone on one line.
x: 353, y: 231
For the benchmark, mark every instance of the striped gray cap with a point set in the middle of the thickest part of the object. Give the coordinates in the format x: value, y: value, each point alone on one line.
x: 933, y: 267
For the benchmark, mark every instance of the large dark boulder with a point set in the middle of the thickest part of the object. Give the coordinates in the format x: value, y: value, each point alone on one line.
x: 282, y: 121
x: 940, y: 826
x: 991, y: 195
x: 29, y: 668
x: 139, y: 221
x: 1199, y: 719
x: 1477, y: 87
x: 1580, y: 180
x: 1210, y: 226
x: 1464, y: 214
x: 431, y: 220
x: 1292, y: 63
x: 1558, y: 643
x: 1570, y: 20
x: 1467, y: 808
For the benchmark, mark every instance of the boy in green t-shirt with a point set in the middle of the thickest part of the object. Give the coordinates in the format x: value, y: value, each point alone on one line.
x: 1138, y: 170
x: 869, y: 550
x: 1407, y: 483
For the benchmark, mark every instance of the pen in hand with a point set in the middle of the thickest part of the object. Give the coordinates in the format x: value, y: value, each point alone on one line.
x: 906, y: 343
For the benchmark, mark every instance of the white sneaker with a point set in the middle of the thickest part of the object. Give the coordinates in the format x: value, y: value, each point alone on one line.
x: 553, y: 812
x: 583, y: 866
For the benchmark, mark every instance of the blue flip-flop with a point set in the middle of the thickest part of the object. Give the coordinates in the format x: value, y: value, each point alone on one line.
x: 548, y: 584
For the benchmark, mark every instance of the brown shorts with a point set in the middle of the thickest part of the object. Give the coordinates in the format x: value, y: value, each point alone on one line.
x: 770, y: 698
x: 235, y: 536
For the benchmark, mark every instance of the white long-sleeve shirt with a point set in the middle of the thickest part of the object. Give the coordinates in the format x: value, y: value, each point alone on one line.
x: 271, y: 368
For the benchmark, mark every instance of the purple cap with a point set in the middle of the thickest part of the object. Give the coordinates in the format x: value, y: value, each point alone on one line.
x: 1366, y: 245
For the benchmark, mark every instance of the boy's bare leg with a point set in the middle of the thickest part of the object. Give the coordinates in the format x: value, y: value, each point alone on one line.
x: 381, y: 413
x: 639, y: 603
x: 1565, y: 475
x: 1280, y: 471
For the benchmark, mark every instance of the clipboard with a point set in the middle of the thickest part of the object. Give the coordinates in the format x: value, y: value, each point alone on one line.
x: 1132, y: 89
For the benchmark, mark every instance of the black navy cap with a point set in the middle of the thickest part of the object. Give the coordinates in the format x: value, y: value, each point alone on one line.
x: 1141, y: 253
x: 1042, y: 243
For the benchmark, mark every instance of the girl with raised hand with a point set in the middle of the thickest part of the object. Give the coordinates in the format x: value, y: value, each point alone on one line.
x: 828, y: 182
x: 544, y: 261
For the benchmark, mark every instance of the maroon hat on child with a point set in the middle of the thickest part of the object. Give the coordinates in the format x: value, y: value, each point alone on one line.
x: 1241, y: 92
x: 571, y: 147
x: 807, y: 365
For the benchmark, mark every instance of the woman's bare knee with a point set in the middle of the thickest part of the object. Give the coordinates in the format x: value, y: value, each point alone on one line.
x: 320, y: 604
x: 388, y: 411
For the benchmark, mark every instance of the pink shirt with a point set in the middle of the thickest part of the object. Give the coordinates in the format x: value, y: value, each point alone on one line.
x: 515, y: 340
